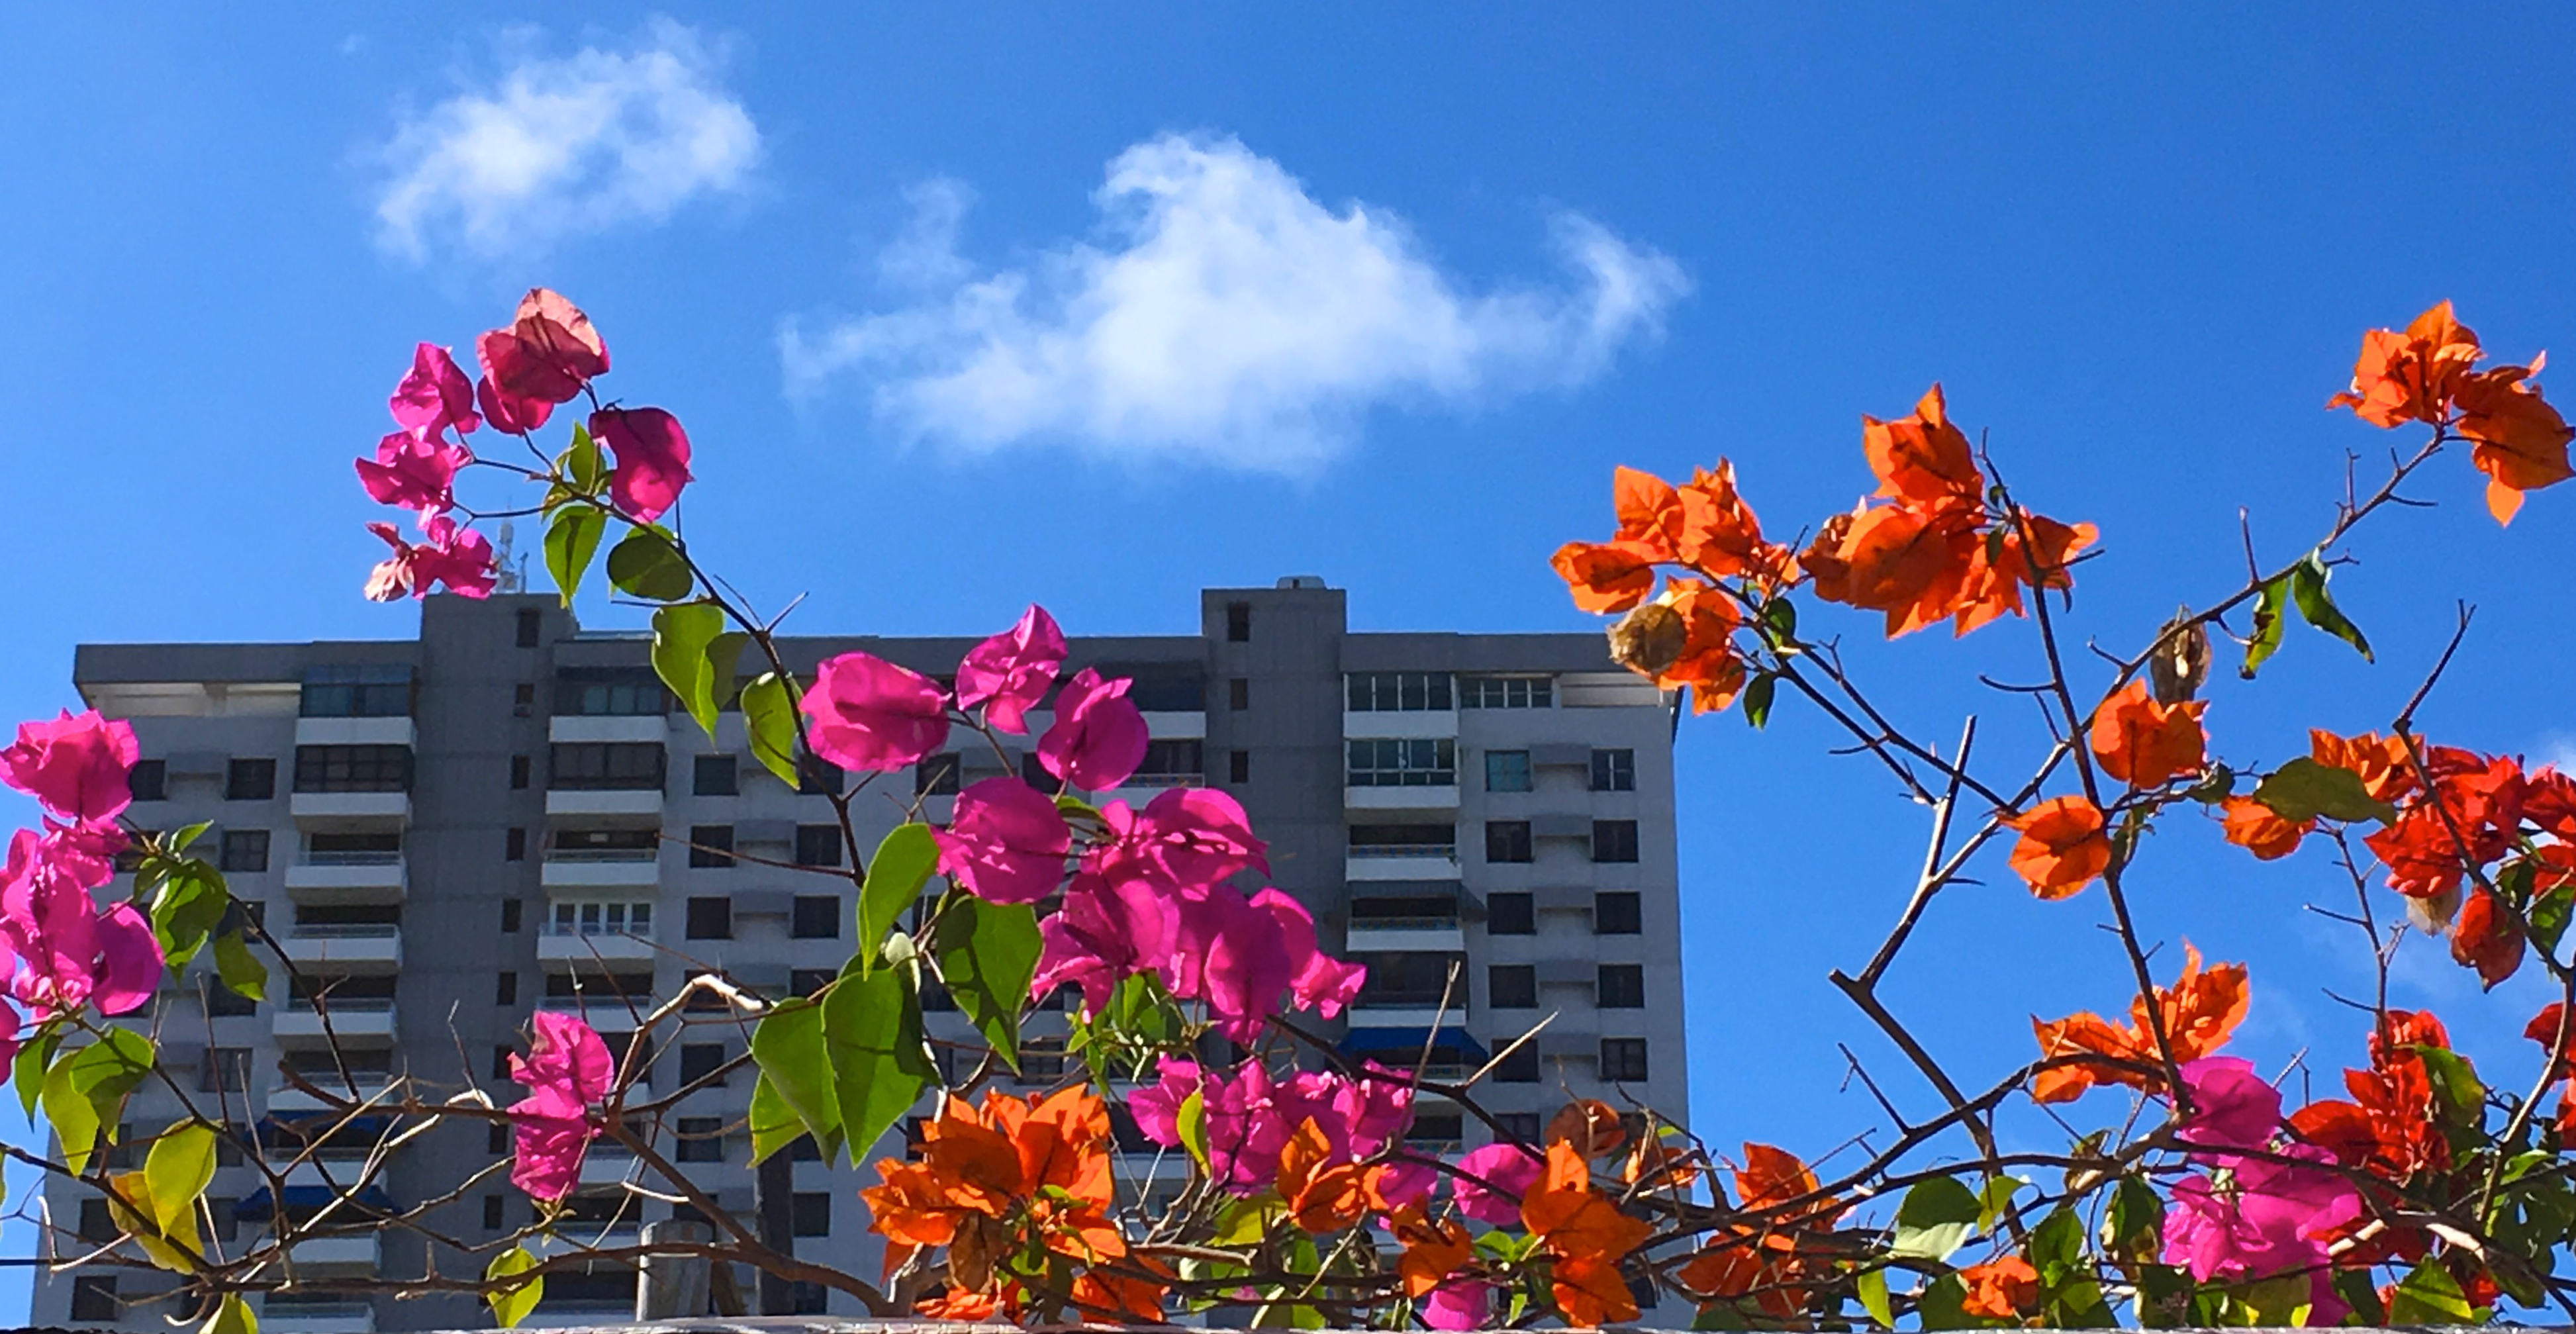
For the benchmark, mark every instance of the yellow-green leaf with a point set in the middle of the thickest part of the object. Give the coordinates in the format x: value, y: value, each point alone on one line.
x: 510, y: 1305
x: 769, y: 719
x: 572, y: 538
x: 177, y: 1171
x: 901, y: 866
x: 232, y: 1316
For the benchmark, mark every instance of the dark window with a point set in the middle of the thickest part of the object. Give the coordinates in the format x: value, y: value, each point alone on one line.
x: 357, y: 692
x: 818, y: 845
x: 1623, y: 1058
x: 817, y: 777
x: 610, y: 693
x: 699, y: 1060
x: 1238, y: 693
x: 1507, y: 771
x: 1425, y: 762
x: 806, y: 1297
x: 807, y: 981
x: 815, y: 917
x: 1405, y: 912
x: 711, y: 845
x: 492, y: 1215
x: 1506, y: 692
x: 149, y: 780
x: 509, y: 915
x: 1238, y: 622
x: 244, y: 850
x: 701, y: 1139
x: 1614, y: 771
x: 710, y: 918
x: 94, y: 1296
x: 222, y: 1002
x: 250, y: 779
x: 227, y: 1070
x: 222, y: 1209
x: 507, y: 992
x: 1238, y: 766
x: 1172, y: 759
x: 1511, y: 986
x: 625, y: 766
x: 716, y: 776
x: 813, y: 1211
x: 1435, y: 1132
x: 1521, y: 1126
x: 523, y: 700
x: 1408, y: 692
x: 531, y: 623
x: 95, y: 1224
x: 1520, y: 1067
x: 935, y: 776
x: 514, y: 846
x: 1033, y: 771
x: 1404, y: 840
x: 1414, y: 978
x: 500, y: 1062
x: 496, y: 1137
x: 1617, y: 912
x: 1614, y: 840
x: 1508, y: 841
x: 1511, y: 915
x: 353, y: 768
x: 1159, y: 687
x: 1623, y: 986
x: 518, y: 772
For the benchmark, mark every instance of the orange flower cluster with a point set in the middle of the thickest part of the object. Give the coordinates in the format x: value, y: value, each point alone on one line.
x: 2200, y: 1010
x: 2387, y: 1127
x: 1683, y: 637
x: 2543, y: 1029
x: 2145, y: 742
x: 1586, y: 1237
x: 1935, y: 552
x: 2425, y: 375
x: 1761, y: 1263
x: 2379, y: 761
x: 2004, y: 1288
x: 2063, y: 846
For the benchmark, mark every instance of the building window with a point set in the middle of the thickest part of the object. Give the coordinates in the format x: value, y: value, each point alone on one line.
x: 518, y: 773
x: 1413, y: 978
x: 514, y: 845
x: 1389, y: 692
x: 596, y: 766
x: 1511, y: 986
x: 1617, y: 913
x: 148, y: 780
x: 531, y: 624
x: 818, y: 777
x: 1511, y: 915
x: 804, y: 1296
x: 1423, y: 762
x: 698, y: 1060
x: 523, y: 699
x: 492, y: 1217
x: 818, y: 845
x: 813, y: 1213
x: 610, y: 693
x: 1508, y: 841
x: 1614, y: 840
x: 809, y: 982
x: 1614, y: 770
x: 1506, y: 692
x: 1436, y: 1132
x: 716, y: 776
x: 1160, y: 687
x: 250, y: 779
x: 222, y: 1002
x: 1521, y: 1126
x: 701, y: 1139
x: 1623, y: 1059
x: 1238, y: 622
x: 1238, y: 766
x: 507, y: 992
x: 1404, y: 840
x: 1238, y: 693
x: 594, y: 917
x: 935, y: 776
x: 710, y: 918
x: 1519, y: 1067
x: 710, y: 845
x: 496, y: 1138
x: 501, y: 1062
x: 227, y: 1070
x: 815, y: 917
x: 1507, y: 771
x: 509, y: 916
x: 1173, y: 762
x: 244, y: 850
x: 605, y: 845
x: 1622, y: 986
x: 94, y: 1295
x: 357, y: 692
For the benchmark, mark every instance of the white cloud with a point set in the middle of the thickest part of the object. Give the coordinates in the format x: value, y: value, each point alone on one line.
x: 1225, y: 317
x: 560, y: 147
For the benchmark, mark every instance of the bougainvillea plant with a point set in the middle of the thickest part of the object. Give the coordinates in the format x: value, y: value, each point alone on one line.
x: 2425, y: 1197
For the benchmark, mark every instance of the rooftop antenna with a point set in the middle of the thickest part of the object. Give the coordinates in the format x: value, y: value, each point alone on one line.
x: 512, y: 574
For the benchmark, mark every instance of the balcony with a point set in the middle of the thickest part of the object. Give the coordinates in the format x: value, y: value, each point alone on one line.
x: 350, y: 810
x: 285, y: 1097
x: 1176, y: 725
x: 1424, y: 798
x: 571, y: 1238
x: 337, y: 1255
x: 1142, y: 788
x: 1399, y: 724
x: 353, y: 732
x: 338, y: 1173
x: 572, y: 947
x: 608, y: 727
x: 1419, y: 1011
x: 604, y: 801
x: 1402, y: 861
x: 282, y: 1317
x: 360, y: 1017
x: 369, y: 875
x: 608, y: 869
x: 606, y: 1164
x: 1393, y: 934
x: 374, y: 945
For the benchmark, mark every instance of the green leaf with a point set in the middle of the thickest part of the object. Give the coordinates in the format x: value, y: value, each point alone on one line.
x: 186, y: 906
x: 1995, y: 1198
x: 1941, y: 1302
x: 901, y: 866
x: 572, y: 538
x: 232, y: 1316
x: 1075, y: 808
x: 872, y: 1028
x: 987, y: 952
x: 774, y: 1125
x: 580, y: 465
x: 86, y: 1090
x: 2133, y: 1229
x: 1757, y: 698
x: 177, y: 840
x: 512, y: 1305
x: 240, y: 970
x: 682, y: 635
x: 2455, y: 1084
x: 27, y: 1068
x: 1871, y: 1287
x: 645, y: 564
x: 2077, y: 1304
x: 2057, y: 1245
x: 769, y: 719
x: 2357, y: 1291
x: 787, y: 1045
x: 2268, y: 624
x: 177, y: 1171
x: 724, y: 664
x: 2308, y: 587
x: 1936, y: 1218
x: 2429, y: 1296
x: 1779, y: 621
x: 2165, y: 1296
x: 1243, y: 1220
x: 2302, y: 789
x: 1191, y: 1122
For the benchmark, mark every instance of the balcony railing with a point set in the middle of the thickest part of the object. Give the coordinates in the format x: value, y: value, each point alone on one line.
x: 1404, y: 924
x: 1449, y: 850
x: 342, y: 1005
x: 344, y: 931
x: 603, y: 854
x: 1165, y: 780
x: 391, y: 858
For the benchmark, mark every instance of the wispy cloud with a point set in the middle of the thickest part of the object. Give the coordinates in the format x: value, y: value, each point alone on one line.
x: 1226, y: 316
x: 557, y: 147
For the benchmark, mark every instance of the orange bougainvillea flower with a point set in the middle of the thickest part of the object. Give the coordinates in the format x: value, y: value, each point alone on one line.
x: 1760, y: 1262
x: 1127, y: 1296
x: 1707, y: 663
x: 1322, y: 1195
x: 2388, y: 1128
x: 2410, y: 376
x: 2259, y: 829
x: 2145, y: 742
x: 1432, y: 1250
x: 2485, y: 937
x: 1590, y: 1125
x: 1719, y: 535
x: 2200, y: 1010
x: 987, y: 1176
x: 1606, y: 576
x: 1922, y: 458
x: 2521, y: 440
x: 2000, y: 1289
x: 1586, y: 1237
x: 2062, y: 848
x: 2424, y: 375
x: 1649, y: 512
x: 2381, y: 762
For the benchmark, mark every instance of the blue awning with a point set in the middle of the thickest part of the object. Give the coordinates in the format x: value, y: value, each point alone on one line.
x: 1407, y: 1043
x: 258, y: 1205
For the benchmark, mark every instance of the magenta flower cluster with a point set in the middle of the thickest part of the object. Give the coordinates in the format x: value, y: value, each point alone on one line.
x: 61, y: 951
x: 2260, y: 1210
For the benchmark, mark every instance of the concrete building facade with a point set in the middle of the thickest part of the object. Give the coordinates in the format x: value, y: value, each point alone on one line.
x: 451, y: 832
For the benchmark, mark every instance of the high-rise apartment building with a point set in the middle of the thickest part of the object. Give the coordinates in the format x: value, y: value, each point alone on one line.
x: 503, y: 815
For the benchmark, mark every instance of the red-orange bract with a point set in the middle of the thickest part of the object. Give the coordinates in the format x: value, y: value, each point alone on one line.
x: 2062, y: 848
x: 987, y: 1176
x: 2424, y: 375
x: 2000, y: 1289
x: 1586, y: 1237
x: 2145, y: 742
x: 2199, y: 1011
x: 2259, y: 829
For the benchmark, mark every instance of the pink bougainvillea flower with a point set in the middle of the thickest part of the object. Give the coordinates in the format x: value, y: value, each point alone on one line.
x: 1106, y: 932
x: 2265, y: 1218
x: 1509, y: 1170
x: 1010, y: 672
x: 1317, y: 980
x: 434, y: 396
x: 869, y: 714
x: 1007, y: 842
x: 414, y: 472
x: 545, y: 357
x: 1228, y: 953
x: 2232, y: 1108
x: 454, y: 555
x: 129, y: 961
x: 566, y: 1070
x: 1463, y: 1303
x: 67, y: 953
x: 1098, y: 738
x: 1186, y: 836
x: 652, y: 455
x: 76, y: 767
x: 1252, y: 1114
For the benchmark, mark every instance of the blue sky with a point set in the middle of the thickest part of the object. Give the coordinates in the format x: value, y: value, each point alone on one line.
x: 965, y: 309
